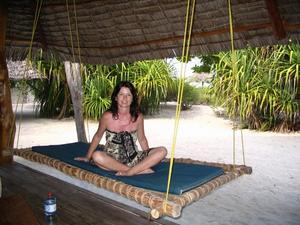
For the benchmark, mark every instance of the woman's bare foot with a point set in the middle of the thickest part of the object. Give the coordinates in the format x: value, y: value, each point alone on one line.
x: 147, y: 171
x: 130, y: 173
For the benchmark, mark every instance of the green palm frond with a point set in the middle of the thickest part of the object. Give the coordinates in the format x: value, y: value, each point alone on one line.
x: 264, y: 86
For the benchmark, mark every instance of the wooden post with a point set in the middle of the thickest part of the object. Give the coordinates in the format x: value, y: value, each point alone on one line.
x: 75, y: 87
x: 7, y: 122
x: 277, y: 25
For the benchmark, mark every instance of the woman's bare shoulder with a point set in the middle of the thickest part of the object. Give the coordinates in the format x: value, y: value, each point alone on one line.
x: 106, y: 116
x: 140, y: 117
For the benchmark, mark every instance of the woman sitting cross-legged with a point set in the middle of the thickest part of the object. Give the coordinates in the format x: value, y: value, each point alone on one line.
x: 124, y: 125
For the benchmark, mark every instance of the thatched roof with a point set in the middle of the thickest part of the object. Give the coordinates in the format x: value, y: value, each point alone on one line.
x: 119, y: 30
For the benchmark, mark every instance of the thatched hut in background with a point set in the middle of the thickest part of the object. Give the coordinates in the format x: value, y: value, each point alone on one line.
x: 201, y: 78
x: 18, y: 70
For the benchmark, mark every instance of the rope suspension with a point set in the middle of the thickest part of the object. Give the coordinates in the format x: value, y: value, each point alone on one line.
x: 23, y: 84
x: 184, y: 58
x: 71, y: 31
x: 234, y: 73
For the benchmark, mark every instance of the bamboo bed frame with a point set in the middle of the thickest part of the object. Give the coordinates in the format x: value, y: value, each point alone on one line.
x: 151, y: 199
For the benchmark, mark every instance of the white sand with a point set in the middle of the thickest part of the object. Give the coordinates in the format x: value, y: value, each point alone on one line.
x: 271, y: 195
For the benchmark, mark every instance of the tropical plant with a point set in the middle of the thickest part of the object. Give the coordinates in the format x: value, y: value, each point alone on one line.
x: 287, y: 106
x: 152, y: 80
x: 51, y: 90
x: 97, y: 88
x: 260, y: 86
x: 191, y: 95
x: 204, y: 96
x: 151, y: 77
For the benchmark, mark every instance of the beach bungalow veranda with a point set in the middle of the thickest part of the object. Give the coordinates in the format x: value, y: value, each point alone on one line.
x: 109, y: 32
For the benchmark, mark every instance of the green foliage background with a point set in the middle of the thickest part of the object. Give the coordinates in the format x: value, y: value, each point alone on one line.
x: 264, y: 91
x: 258, y: 86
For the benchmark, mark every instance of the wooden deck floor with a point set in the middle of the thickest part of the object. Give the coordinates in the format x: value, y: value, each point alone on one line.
x: 76, y: 206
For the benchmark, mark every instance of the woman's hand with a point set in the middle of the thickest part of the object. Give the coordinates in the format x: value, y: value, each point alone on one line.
x: 84, y: 159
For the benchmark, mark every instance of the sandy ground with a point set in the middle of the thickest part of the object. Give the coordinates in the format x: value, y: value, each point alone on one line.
x: 271, y: 195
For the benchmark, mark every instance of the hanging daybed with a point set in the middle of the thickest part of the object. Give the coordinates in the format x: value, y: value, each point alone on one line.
x: 191, y: 179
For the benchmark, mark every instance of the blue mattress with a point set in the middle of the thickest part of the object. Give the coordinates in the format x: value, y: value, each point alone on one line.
x: 184, y: 176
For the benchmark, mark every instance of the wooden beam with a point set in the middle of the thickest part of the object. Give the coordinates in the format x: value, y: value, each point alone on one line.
x: 7, y: 122
x: 277, y: 24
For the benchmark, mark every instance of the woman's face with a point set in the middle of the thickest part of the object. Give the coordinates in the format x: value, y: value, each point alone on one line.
x: 124, y: 97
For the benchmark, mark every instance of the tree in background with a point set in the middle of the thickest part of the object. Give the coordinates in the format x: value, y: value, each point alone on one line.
x: 207, y: 62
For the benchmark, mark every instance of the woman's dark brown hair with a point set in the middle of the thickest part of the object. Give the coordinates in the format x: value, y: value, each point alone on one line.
x: 134, y: 107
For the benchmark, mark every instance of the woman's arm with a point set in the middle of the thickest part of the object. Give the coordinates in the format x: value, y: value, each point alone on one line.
x: 96, y: 139
x: 141, y: 133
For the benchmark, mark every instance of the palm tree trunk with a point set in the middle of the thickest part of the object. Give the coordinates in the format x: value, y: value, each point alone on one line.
x: 74, y: 83
x: 7, y: 122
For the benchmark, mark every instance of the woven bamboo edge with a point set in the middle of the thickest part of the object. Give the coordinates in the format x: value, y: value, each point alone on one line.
x: 231, y: 172
x: 151, y: 199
